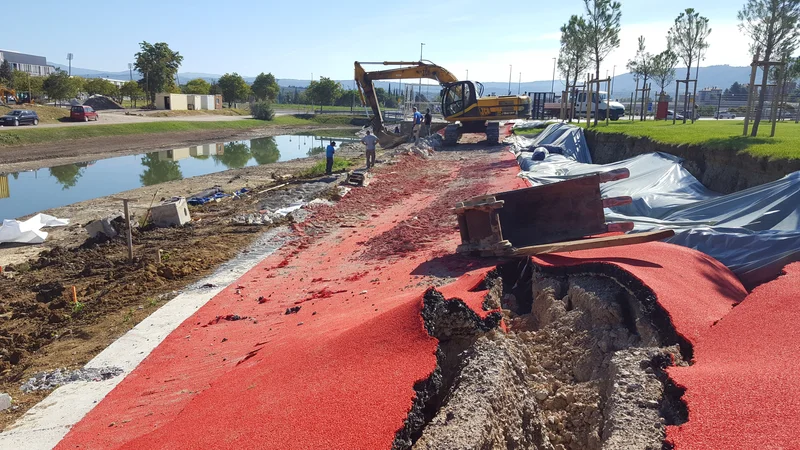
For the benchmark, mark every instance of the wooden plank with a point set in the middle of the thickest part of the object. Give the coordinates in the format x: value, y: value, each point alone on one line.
x: 603, y: 242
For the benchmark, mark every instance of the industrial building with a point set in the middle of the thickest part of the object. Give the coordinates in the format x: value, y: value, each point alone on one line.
x: 32, y: 64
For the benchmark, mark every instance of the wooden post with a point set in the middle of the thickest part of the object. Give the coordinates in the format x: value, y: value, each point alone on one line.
x: 125, y: 202
x: 779, y: 89
x: 589, y: 101
x: 694, y: 98
x: 753, y: 68
x: 608, y: 99
x: 674, y: 113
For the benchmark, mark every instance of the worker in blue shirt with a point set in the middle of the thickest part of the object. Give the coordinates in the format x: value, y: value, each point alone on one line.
x: 329, y: 151
x: 417, y: 123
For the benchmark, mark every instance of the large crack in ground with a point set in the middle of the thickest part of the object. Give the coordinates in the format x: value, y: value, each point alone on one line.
x: 582, y: 365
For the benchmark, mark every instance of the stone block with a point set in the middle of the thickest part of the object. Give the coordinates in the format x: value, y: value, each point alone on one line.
x: 5, y: 401
x: 103, y: 226
x: 171, y: 213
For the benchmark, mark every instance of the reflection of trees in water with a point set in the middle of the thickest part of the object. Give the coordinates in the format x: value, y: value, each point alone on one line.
x: 265, y: 150
x: 236, y: 155
x: 159, y: 171
x: 67, y: 175
x: 203, y: 157
x: 315, y: 151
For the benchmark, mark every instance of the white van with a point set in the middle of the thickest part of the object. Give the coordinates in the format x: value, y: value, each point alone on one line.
x: 615, y: 110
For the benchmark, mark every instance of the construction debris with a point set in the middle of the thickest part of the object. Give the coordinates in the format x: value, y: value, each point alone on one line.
x: 359, y: 177
x: 104, y: 227
x: 58, y: 377
x: 101, y: 102
x: 5, y: 401
x: 172, y: 213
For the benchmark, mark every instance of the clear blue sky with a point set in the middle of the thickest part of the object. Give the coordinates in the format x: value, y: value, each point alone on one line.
x: 294, y: 39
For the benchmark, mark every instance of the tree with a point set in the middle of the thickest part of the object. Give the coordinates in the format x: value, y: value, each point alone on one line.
x: 66, y: 175
x: 6, y: 74
x: 58, y: 86
x: 664, y: 70
x: 159, y: 171
x: 27, y: 86
x: 159, y: 64
x: 234, y: 88
x: 324, y: 92
x: 772, y: 25
x: 100, y: 86
x: 688, y: 38
x: 602, y: 34
x: 265, y: 150
x: 642, y: 68
x: 131, y: 90
x: 236, y: 155
x: 572, y: 58
x: 265, y: 87
x: 197, y: 86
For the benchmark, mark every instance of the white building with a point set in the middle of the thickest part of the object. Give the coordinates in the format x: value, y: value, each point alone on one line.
x: 117, y: 83
x: 165, y: 100
x: 34, y: 65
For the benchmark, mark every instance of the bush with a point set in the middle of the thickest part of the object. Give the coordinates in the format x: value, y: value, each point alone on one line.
x: 262, y: 110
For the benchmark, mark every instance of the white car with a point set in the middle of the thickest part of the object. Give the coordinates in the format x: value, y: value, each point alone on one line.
x: 726, y: 115
x: 671, y: 114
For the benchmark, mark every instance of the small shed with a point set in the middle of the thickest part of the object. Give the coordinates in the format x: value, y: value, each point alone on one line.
x: 177, y: 102
x: 207, y: 102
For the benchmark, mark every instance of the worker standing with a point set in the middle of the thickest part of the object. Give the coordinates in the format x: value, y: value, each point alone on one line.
x: 428, y: 119
x: 370, y: 141
x: 329, y: 151
x: 417, y: 124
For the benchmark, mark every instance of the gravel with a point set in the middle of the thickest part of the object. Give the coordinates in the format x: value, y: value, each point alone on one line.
x: 51, y: 380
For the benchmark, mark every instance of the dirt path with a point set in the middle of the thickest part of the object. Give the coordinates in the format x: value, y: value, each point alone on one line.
x: 15, y: 159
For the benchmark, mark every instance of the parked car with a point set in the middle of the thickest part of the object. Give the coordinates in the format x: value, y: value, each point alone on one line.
x: 671, y: 114
x: 725, y: 115
x: 83, y: 113
x: 19, y: 117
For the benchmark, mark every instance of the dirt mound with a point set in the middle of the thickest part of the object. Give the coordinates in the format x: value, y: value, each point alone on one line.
x: 101, y: 102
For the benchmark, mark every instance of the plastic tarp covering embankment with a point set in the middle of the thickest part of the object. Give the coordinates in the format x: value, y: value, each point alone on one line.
x: 754, y: 232
x: 559, y: 138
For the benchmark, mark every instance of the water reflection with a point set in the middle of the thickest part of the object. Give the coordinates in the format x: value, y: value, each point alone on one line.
x: 159, y: 169
x: 68, y: 174
x: 235, y: 156
x: 265, y: 150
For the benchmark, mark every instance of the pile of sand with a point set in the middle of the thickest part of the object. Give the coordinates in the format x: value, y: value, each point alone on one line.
x: 101, y: 102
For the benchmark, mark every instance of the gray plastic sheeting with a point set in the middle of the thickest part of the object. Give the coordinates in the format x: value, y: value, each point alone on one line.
x: 559, y: 137
x: 754, y: 232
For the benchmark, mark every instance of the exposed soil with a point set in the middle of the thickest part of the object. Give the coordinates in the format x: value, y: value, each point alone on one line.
x: 50, y: 154
x: 582, y: 367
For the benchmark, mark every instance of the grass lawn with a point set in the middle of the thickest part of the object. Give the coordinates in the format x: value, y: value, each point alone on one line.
x: 201, y: 112
x: 318, y: 169
x: 47, y: 114
x: 298, y: 107
x: 33, y: 135
x: 722, y: 134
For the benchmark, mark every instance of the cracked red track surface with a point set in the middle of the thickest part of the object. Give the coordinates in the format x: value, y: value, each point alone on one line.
x: 338, y: 374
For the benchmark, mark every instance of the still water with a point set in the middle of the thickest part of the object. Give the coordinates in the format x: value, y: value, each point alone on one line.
x: 24, y: 193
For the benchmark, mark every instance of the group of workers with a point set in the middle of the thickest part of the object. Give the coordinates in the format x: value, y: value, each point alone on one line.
x: 421, y: 127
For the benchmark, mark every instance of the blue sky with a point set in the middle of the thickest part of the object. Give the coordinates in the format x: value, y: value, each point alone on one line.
x: 296, y: 39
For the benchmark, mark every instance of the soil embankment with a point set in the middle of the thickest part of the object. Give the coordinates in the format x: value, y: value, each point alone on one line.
x: 721, y: 170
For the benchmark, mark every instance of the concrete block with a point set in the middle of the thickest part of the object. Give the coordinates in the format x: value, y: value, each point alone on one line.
x: 5, y: 401
x: 102, y: 226
x: 171, y: 213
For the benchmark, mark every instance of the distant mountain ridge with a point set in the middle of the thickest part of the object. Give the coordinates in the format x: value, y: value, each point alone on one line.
x: 712, y: 76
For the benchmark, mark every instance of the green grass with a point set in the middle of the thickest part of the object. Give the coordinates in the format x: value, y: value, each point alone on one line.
x: 298, y: 107
x: 332, y: 132
x: 713, y: 134
x: 34, y: 135
x: 318, y: 169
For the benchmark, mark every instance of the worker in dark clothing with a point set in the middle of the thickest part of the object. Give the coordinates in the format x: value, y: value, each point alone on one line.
x: 370, y: 141
x: 427, y: 120
x: 329, y: 151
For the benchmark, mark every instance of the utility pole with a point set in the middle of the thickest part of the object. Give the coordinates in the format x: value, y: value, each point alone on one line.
x: 467, y: 75
x: 613, y: 73
x: 509, y: 79
x: 553, y: 83
x: 69, y: 58
x: 130, y: 69
x: 519, y: 83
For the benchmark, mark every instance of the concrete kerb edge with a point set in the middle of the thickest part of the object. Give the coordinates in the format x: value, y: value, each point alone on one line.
x: 44, y: 425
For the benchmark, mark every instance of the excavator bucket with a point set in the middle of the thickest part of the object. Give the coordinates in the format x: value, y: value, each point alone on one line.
x: 388, y: 139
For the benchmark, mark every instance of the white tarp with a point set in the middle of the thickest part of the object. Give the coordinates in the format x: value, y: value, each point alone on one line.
x: 29, y: 231
x: 559, y: 138
x: 754, y: 232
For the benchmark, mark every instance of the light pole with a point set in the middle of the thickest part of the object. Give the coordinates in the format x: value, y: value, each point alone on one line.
x: 613, y: 73
x: 69, y: 58
x: 553, y: 83
x: 130, y: 69
x: 519, y: 83
x: 509, y: 79
x: 467, y: 75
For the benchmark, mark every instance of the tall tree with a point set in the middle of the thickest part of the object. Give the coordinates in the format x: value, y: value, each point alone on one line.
x: 325, y: 91
x: 6, y: 74
x: 642, y: 65
x: 772, y: 25
x: 197, y: 86
x: 234, y: 88
x: 664, y: 70
x: 688, y: 37
x: 265, y: 87
x: 131, y: 90
x: 573, y: 59
x: 602, y: 34
x: 58, y: 86
x: 100, y: 86
x: 159, y: 64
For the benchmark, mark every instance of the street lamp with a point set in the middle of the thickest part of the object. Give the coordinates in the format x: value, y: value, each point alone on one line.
x: 419, y: 86
x: 509, y: 79
x: 69, y: 58
x: 519, y: 83
x: 130, y: 69
x: 613, y: 73
x: 553, y: 83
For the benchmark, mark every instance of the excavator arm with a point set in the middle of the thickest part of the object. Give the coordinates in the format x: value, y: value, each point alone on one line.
x: 366, y: 87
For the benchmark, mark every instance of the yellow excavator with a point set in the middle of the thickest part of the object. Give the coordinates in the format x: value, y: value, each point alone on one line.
x: 463, y: 103
x: 6, y: 95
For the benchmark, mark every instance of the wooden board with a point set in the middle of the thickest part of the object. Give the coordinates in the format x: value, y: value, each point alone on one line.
x: 602, y: 242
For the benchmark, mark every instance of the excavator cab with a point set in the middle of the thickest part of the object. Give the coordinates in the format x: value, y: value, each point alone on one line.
x: 457, y: 97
